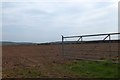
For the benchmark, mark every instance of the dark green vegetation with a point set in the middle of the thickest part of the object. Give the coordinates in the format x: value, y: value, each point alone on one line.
x: 81, y: 69
x: 22, y: 73
x: 92, y: 69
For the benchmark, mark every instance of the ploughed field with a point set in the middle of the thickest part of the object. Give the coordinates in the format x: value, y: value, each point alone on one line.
x: 25, y: 61
x: 92, y: 51
x: 42, y: 57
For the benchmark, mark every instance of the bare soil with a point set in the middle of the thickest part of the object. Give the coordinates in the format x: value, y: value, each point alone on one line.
x: 44, y: 58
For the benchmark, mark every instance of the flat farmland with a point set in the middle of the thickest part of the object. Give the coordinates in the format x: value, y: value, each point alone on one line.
x: 34, y: 61
x: 42, y: 57
x: 92, y: 51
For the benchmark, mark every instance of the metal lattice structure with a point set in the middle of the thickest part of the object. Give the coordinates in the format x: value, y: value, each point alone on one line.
x: 104, y: 48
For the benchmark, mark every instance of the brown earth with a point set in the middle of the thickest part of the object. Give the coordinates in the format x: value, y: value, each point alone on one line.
x: 43, y: 58
x: 92, y: 51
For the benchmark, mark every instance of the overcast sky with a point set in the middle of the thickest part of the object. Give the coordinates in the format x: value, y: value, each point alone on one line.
x: 46, y: 21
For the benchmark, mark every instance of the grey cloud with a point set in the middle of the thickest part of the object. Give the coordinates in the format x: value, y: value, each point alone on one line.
x: 7, y: 5
x: 35, y: 12
x: 27, y: 21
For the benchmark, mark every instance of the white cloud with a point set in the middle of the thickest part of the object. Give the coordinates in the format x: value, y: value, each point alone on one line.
x: 0, y: 22
x: 53, y: 18
x: 60, y: 1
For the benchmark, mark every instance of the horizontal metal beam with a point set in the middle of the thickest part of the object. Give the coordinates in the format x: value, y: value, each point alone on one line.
x: 91, y: 35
